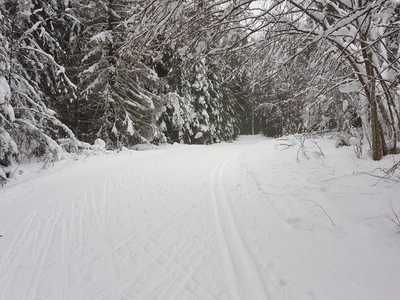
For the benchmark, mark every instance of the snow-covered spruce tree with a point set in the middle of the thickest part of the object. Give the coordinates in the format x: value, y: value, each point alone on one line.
x: 204, y: 104
x: 8, y: 148
x: 208, y: 88
x: 226, y: 81
x: 29, y: 69
x: 193, y: 107
x: 62, y: 41
x: 235, y: 83
x: 118, y: 91
x: 199, y: 106
x: 176, y: 118
x: 194, y: 42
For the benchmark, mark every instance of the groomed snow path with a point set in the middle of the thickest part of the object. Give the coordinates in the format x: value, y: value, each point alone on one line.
x: 227, y: 221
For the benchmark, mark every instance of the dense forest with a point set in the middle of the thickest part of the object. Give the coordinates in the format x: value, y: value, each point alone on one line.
x: 194, y: 71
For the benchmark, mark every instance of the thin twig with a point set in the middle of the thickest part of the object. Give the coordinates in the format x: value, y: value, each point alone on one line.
x: 322, y: 210
x: 286, y: 145
x: 12, y: 175
x: 316, y: 144
x: 391, y: 174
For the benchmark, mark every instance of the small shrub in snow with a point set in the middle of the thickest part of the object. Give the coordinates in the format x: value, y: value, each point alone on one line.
x: 83, y: 146
x: 345, y: 140
x: 357, y: 146
x: 69, y: 145
x: 309, y: 151
x: 392, y: 174
x: 342, y: 141
x: 395, y: 216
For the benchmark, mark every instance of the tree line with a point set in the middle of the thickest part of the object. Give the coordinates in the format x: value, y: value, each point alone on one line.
x: 194, y: 71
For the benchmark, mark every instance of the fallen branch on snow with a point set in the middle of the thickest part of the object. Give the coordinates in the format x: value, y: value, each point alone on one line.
x: 286, y: 145
x: 322, y: 210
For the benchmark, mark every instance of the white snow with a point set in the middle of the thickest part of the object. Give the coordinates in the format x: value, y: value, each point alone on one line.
x: 354, y: 141
x: 99, y: 146
x: 5, y: 92
x: 8, y: 111
x: 349, y: 87
x: 102, y: 37
x: 241, y: 220
x: 100, y: 143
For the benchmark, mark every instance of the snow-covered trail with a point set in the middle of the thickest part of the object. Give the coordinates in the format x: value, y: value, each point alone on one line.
x: 155, y: 224
x: 184, y: 222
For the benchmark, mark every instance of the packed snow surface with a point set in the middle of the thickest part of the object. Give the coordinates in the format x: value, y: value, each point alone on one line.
x: 241, y: 220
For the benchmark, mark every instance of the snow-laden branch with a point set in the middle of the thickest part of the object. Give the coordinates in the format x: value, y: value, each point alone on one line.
x: 60, y: 69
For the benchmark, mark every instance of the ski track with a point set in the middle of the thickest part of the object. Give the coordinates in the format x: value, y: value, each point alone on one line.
x: 240, y: 267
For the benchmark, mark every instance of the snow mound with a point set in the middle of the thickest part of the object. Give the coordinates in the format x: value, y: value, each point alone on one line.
x: 98, y: 146
x: 354, y: 141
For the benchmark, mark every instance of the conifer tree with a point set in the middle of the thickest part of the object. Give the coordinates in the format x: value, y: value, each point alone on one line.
x: 118, y: 91
x: 32, y: 76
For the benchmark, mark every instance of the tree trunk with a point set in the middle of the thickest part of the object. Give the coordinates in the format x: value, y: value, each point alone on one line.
x: 377, y: 132
x: 377, y: 151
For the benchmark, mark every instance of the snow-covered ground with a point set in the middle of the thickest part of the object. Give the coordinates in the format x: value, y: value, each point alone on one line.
x: 240, y: 220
